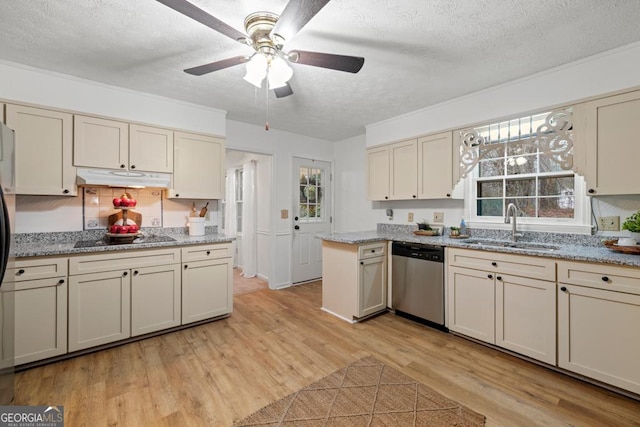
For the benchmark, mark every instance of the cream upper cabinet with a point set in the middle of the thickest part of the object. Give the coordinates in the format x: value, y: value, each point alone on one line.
x: 611, y: 144
x: 43, y: 152
x: 504, y: 299
x: 150, y: 149
x: 393, y: 171
x: 100, y: 143
x: 435, y: 163
x: 598, y: 316
x: 198, y: 167
x: 378, y: 173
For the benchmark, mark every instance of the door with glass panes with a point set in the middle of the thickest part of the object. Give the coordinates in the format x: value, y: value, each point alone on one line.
x: 311, y: 215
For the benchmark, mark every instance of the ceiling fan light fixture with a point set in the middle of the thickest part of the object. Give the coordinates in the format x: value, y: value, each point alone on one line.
x: 256, y: 69
x: 279, y: 73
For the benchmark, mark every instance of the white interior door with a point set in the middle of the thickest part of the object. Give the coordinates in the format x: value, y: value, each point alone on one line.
x: 311, y: 215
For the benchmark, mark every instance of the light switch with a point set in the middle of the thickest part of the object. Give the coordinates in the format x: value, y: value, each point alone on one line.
x: 410, y: 217
x: 438, y: 217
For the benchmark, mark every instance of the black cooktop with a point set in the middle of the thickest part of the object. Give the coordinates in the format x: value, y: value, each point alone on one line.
x: 138, y: 240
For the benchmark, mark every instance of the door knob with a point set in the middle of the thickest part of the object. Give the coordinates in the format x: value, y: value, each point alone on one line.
x: 295, y: 219
x: 297, y: 227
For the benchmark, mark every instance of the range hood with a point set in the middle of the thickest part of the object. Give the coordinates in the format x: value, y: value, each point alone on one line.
x: 120, y: 178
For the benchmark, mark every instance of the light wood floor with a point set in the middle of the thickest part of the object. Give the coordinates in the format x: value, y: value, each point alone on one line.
x: 244, y: 285
x: 276, y: 342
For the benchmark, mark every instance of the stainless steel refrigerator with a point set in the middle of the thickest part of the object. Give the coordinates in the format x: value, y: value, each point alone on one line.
x: 7, y: 214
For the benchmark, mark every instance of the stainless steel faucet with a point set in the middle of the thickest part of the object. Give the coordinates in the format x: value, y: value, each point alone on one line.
x: 507, y: 220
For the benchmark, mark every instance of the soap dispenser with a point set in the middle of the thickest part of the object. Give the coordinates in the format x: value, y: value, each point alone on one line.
x: 463, y: 227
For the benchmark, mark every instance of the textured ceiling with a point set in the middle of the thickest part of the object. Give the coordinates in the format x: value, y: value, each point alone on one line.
x: 418, y: 53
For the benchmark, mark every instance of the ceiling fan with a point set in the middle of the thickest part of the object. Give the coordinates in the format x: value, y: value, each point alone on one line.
x: 266, y: 34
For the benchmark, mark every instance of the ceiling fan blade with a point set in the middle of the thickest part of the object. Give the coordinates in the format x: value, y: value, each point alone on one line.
x: 350, y: 64
x: 197, y: 14
x: 295, y: 15
x: 283, y: 91
x: 215, y: 66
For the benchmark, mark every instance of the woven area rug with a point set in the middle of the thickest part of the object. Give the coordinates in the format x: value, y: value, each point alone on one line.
x: 365, y: 393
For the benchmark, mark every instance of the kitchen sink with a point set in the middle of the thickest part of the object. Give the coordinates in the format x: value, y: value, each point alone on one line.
x: 513, y: 245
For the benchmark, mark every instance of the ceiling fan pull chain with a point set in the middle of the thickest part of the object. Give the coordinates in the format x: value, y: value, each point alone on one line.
x: 266, y: 119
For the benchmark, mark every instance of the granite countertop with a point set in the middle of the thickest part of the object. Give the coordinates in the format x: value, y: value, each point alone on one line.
x: 46, y: 244
x: 573, y: 250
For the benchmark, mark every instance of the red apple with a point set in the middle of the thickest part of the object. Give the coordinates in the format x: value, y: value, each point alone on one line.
x: 117, y: 201
x: 133, y: 203
x: 133, y: 228
x: 124, y: 203
x: 124, y: 229
x: 115, y: 228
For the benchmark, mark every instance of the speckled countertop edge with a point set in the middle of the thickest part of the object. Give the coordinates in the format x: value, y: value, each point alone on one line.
x: 565, y: 252
x: 48, y: 244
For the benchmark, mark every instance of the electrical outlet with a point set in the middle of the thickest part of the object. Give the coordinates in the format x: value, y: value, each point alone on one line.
x: 410, y: 217
x: 609, y: 223
x: 438, y: 217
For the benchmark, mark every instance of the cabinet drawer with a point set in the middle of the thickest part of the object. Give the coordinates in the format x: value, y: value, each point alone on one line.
x: 205, y: 252
x: 517, y: 265
x: 122, y: 260
x: 37, y: 268
x: 614, y: 278
x: 372, y: 250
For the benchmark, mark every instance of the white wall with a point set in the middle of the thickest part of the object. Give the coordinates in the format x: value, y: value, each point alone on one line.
x: 610, y: 71
x: 283, y: 146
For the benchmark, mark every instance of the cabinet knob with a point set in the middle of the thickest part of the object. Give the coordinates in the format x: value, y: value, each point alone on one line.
x: 60, y: 282
x: 499, y: 277
x: 125, y: 274
x: 563, y: 289
x: 448, y: 195
x: 495, y: 264
x: 21, y: 271
x: 122, y: 166
x: 208, y: 252
x: 591, y: 191
x: 386, y: 197
x: 373, y: 251
x: 135, y: 273
x: 186, y: 266
x: 133, y: 166
x: 65, y: 191
x: 605, y: 279
x: 177, y: 195
x: 361, y: 262
x: 414, y: 196
x: 489, y: 276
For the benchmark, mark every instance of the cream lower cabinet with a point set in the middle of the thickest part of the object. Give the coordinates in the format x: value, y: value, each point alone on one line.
x: 598, y: 318
x: 354, y: 279
x: 38, y: 288
x: 108, y: 305
x: 207, y: 282
x: 516, y: 311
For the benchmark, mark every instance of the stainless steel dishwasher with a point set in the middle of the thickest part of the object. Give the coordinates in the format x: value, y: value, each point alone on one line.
x: 417, y: 282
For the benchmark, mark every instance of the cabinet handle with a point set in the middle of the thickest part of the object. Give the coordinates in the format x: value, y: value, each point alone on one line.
x: 125, y: 274
x: 133, y: 166
x: 135, y: 273
x: 20, y: 272
x: 60, y: 282
x: 499, y: 277
x: 605, y: 279
x: 490, y: 276
x: 495, y: 264
x: 185, y: 266
x: 65, y: 191
x: 122, y: 166
x: 563, y: 289
x: 591, y: 191
x: 208, y: 252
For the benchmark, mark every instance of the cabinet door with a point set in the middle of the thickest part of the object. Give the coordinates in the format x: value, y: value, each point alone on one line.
x: 198, y: 167
x: 526, y: 317
x: 40, y: 322
x: 435, y: 180
x: 150, y: 149
x: 471, y: 303
x: 155, y: 298
x: 611, y: 137
x: 207, y: 289
x: 372, y: 289
x: 43, y: 151
x: 378, y: 173
x: 99, y: 308
x: 597, y: 335
x: 100, y: 143
x: 404, y: 170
